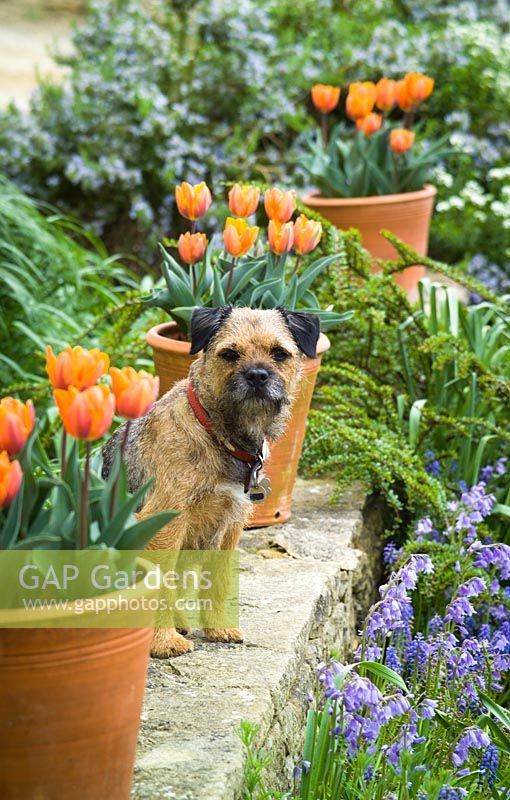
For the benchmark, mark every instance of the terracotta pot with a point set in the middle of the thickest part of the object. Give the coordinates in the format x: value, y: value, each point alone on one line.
x: 70, y: 704
x: 406, y: 215
x: 172, y: 361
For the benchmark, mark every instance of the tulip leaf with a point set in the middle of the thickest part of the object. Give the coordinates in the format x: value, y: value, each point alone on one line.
x: 170, y: 263
x: 44, y: 542
x: 183, y: 314
x: 138, y: 535
x: 115, y: 528
x: 12, y: 524
x: 218, y: 295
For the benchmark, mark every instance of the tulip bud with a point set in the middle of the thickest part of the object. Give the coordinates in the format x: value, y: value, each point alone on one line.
x: 75, y: 366
x: 17, y: 421
x: 193, y: 201
x: 369, y: 124
x: 280, y: 236
x: 279, y: 205
x: 401, y: 140
x: 307, y: 234
x: 86, y: 415
x: 243, y: 200
x: 11, y: 476
x: 386, y: 94
x: 191, y: 246
x: 360, y: 100
x: 325, y: 98
x: 238, y: 236
x: 135, y: 392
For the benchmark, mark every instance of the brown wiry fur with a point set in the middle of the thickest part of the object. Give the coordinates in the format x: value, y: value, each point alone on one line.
x: 193, y: 473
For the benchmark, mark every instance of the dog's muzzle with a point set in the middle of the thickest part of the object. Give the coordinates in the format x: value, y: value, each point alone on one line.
x: 257, y: 383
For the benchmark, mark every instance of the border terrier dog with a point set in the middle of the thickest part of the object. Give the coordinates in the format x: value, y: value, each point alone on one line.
x: 204, y: 441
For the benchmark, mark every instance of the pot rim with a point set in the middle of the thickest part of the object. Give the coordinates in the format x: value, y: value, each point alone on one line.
x: 315, y: 199
x: 157, y: 341
x: 9, y: 617
x: 154, y: 337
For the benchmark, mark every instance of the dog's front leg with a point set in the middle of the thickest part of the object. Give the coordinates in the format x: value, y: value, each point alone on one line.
x: 168, y: 642
x: 236, y: 635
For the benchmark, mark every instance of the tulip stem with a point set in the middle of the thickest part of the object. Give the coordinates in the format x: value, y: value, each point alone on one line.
x: 408, y: 120
x: 297, y: 264
x: 324, y: 128
x: 115, y: 489
x: 230, y: 277
x: 85, y: 500
x: 192, y: 266
x: 63, y: 452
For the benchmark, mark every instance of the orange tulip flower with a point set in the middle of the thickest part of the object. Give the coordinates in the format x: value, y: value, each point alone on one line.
x: 386, y: 94
x: 360, y: 100
x: 281, y: 236
x: 404, y: 101
x: 88, y: 414
x: 279, y: 205
x: 325, y: 98
x: 243, y: 200
x: 75, y: 366
x: 17, y: 421
x: 135, y: 392
x: 413, y: 90
x: 238, y: 236
x: 369, y: 124
x: 401, y: 140
x: 193, y: 201
x: 307, y: 234
x: 191, y: 246
x: 11, y: 476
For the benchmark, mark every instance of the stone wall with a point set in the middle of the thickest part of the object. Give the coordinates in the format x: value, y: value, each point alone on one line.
x: 304, y: 586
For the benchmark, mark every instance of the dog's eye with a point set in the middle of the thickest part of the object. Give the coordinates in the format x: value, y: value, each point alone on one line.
x: 279, y: 354
x: 229, y: 355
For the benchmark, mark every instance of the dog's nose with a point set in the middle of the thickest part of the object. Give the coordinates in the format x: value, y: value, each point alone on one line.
x: 256, y: 375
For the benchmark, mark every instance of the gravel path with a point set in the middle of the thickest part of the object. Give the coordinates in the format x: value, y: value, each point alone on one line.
x: 29, y: 31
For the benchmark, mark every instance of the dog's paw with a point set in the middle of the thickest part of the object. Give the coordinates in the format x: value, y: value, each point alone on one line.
x: 224, y: 635
x: 169, y: 644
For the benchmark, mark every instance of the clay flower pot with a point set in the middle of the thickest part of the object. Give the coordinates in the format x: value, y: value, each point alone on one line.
x: 172, y: 361
x: 70, y: 704
x: 406, y: 215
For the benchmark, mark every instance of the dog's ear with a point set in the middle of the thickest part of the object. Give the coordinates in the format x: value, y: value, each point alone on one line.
x: 305, y: 330
x: 205, y: 322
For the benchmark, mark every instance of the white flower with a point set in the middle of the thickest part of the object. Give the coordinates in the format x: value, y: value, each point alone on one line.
x: 474, y: 193
x: 500, y: 209
x: 499, y: 173
x: 442, y: 177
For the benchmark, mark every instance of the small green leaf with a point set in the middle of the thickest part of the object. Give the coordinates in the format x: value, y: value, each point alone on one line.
x: 384, y: 672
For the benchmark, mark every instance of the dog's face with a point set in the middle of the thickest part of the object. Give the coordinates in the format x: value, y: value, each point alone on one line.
x: 252, y: 358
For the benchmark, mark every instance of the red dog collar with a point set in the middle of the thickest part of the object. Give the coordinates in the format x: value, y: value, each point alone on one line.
x: 206, y: 422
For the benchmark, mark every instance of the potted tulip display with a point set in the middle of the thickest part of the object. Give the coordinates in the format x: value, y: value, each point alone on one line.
x: 70, y: 698
x: 374, y: 177
x: 244, y: 272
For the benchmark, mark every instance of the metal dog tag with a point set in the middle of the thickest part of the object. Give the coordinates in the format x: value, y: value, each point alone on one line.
x: 260, y: 490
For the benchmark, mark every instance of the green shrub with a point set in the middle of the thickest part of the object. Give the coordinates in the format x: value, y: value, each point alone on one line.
x: 404, y: 382
x: 165, y: 91
x: 51, y: 285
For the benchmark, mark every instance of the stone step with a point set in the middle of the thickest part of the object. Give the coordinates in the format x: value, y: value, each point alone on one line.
x: 303, y: 588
